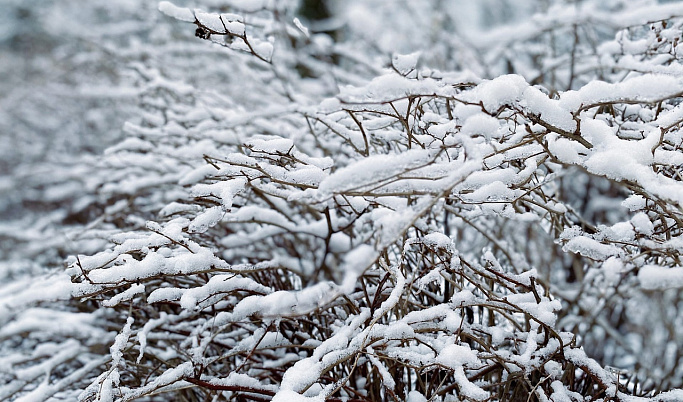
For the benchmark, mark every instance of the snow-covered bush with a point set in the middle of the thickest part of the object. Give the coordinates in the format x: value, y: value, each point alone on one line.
x: 332, y: 222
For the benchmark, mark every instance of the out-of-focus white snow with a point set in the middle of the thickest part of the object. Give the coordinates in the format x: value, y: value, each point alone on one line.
x: 655, y: 277
x: 179, y: 13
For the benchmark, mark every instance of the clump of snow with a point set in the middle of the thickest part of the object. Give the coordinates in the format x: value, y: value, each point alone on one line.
x: 372, y: 169
x: 355, y: 263
x: 405, y: 63
x: 621, y: 231
x: 642, y: 224
x: 415, y: 396
x: 274, y: 145
x: 211, y: 21
x: 126, y: 295
x: 543, y: 311
x: 612, y: 269
x: 389, y: 87
x: 234, y: 24
x: 329, y: 105
x: 548, y: 109
x: 225, y: 190
x: 301, y: 27
x: 481, y: 124
x: 179, y: 13
x: 635, y: 202
x: 653, y: 277
x: 206, y: 220
x: 439, y: 240
x: 503, y: 90
x: 591, y: 248
x: 263, y: 49
x: 456, y: 357
x: 645, y: 88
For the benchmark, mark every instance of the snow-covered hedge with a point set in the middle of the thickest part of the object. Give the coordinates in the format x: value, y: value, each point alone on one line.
x: 330, y: 223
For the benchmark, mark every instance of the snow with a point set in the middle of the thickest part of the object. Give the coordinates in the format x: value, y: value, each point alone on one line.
x: 439, y: 240
x: 273, y: 145
x: 179, y: 13
x: 126, y: 295
x: 387, y: 380
x: 591, y: 248
x: 543, y: 311
x: 495, y: 191
x: 234, y: 24
x: 634, y: 202
x: 561, y: 394
x: 654, y: 277
x: 372, y: 170
x: 644, y: 88
x: 269, y: 258
x: 241, y: 380
x: 218, y: 284
x: 416, y: 396
x: 264, y: 49
x: 548, y: 109
x: 301, y: 27
x: 389, y: 87
x: 329, y: 105
x: 211, y: 21
x: 155, y: 263
x: 405, y: 63
x: 642, y: 224
x: 206, y: 220
x: 286, y: 303
x: 503, y: 90
x: 169, y: 376
x: 248, y: 5
x: 225, y: 190
x: 355, y: 263
x: 670, y: 396
x: 287, y: 395
x: 481, y: 124
x: 120, y: 342
x: 455, y: 357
